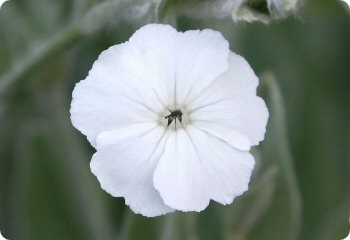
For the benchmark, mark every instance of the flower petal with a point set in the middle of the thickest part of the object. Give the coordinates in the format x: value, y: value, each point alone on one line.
x: 121, y: 134
x: 231, y: 103
x: 201, y: 57
x: 176, y: 63
x: 197, y: 167
x: 125, y: 168
x: 179, y: 177
x: 238, y: 80
x: 229, y: 135
x: 96, y: 108
x: 228, y: 169
x: 152, y: 52
x: 120, y: 68
x: 247, y: 116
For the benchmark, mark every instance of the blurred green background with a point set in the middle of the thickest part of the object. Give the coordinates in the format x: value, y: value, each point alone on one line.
x: 301, y: 185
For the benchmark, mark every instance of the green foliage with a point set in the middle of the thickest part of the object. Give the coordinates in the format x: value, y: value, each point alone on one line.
x: 300, y: 186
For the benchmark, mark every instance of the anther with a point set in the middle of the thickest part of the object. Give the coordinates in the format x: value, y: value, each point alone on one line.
x: 174, y: 115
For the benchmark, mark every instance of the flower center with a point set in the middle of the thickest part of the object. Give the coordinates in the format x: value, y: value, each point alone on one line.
x: 174, y: 116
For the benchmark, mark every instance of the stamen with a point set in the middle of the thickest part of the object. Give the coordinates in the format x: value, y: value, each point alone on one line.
x: 174, y: 115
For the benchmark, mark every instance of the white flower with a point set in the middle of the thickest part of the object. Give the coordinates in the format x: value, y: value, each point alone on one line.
x: 347, y: 2
x: 348, y: 237
x: 2, y: 2
x: 172, y: 116
x: 1, y: 237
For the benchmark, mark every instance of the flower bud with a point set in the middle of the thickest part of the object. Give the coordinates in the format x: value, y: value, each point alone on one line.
x: 263, y: 10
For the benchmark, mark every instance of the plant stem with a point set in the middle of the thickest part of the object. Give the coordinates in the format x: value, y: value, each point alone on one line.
x: 283, y: 154
x: 127, y: 223
x: 21, y: 70
x: 191, y: 226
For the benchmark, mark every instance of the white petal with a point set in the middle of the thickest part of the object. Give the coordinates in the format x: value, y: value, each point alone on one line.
x: 177, y: 63
x: 229, y: 135
x: 197, y: 167
x: 228, y: 169
x: 124, y: 133
x: 201, y: 57
x: 96, y: 108
x: 125, y: 168
x: 152, y: 51
x: 247, y: 116
x: 231, y: 103
x: 179, y: 177
x: 238, y: 80
x: 120, y: 68
x: 106, y: 99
